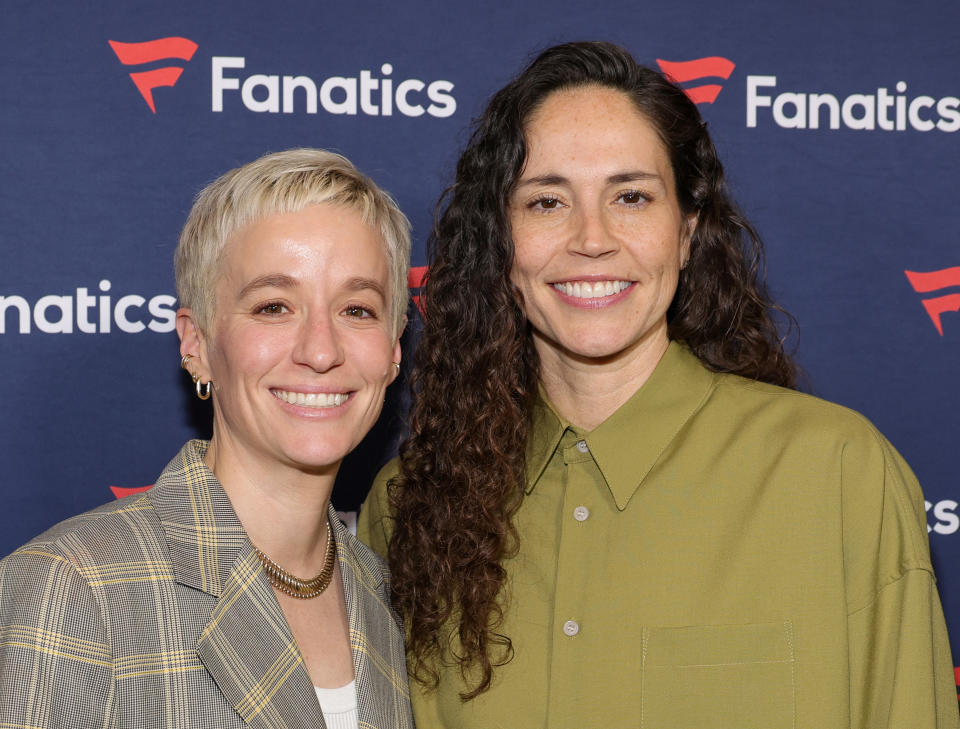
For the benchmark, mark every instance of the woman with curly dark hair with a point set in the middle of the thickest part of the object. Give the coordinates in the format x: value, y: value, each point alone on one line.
x: 612, y: 509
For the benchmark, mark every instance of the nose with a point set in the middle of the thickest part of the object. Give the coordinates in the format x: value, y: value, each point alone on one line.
x: 318, y: 344
x: 593, y: 236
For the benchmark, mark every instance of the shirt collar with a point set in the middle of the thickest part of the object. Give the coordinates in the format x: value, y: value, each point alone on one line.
x: 626, y: 445
x: 546, y: 430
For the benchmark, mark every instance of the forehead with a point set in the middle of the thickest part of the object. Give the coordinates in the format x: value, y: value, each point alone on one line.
x: 307, y: 242
x: 583, y: 122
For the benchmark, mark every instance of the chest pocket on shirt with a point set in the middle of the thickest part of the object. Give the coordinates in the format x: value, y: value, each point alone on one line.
x: 718, y: 677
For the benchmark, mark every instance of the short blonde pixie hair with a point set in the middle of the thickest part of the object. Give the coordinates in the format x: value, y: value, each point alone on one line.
x: 284, y: 182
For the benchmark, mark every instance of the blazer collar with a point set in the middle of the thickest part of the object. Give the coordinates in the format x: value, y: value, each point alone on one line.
x: 382, y: 691
x: 203, y: 533
x: 247, y: 646
x: 251, y: 654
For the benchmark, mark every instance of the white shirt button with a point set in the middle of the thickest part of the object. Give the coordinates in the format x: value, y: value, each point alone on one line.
x: 582, y: 446
x: 571, y: 628
x: 581, y: 513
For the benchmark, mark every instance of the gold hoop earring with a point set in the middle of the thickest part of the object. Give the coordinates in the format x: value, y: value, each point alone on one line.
x: 185, y: 360
x: 203, y: 388
x: 397, y: 365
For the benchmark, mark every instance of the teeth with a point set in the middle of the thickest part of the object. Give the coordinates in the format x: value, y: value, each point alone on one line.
x: 587, y: 290
x: 312, y: 399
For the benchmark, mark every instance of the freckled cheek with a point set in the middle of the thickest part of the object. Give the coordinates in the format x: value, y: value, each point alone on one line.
x: 532, y: 239
x: 530, y: 258
x: 660, y: 251
x: 639, y: 234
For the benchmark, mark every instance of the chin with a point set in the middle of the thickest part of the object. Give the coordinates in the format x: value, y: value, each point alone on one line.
x: 312, y: 458
x: 584, y: 348
x: 318, y: 465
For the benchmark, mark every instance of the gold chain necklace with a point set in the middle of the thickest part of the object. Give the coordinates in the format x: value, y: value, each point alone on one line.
x: 294, y: 586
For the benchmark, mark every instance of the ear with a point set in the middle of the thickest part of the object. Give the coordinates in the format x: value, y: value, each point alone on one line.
x: 397, y: 354
x: 193, y: 342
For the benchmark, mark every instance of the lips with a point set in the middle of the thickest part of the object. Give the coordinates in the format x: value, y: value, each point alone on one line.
x: 591, y: 289
x: 312, y: 399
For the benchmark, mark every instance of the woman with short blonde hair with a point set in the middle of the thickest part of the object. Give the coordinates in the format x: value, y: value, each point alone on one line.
x: 230, y: 594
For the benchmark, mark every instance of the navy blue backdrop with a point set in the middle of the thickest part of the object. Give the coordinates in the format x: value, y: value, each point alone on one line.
x: 838, y: 126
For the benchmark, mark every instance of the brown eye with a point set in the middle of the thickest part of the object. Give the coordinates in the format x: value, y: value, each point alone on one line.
x: 272, y: 308
x: 632, y: 198
x: 359, y: 312
x: 546, y: 203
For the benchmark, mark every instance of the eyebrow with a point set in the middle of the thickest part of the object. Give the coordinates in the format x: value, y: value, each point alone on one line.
x: 268, y: 281
x: 633, y: 176
x: 619, y: 178
x: 282, y: 281
x: 359, y: 283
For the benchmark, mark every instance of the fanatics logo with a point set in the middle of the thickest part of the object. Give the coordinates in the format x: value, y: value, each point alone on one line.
x: 162, y: 49
x: 120, y: 491
x: 415, y: 281
x: 681, y: 72
x: 925, y: 283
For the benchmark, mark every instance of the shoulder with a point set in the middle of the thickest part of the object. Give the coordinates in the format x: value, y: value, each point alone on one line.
x: 66, y: 564
x: 760, y: 398
x: 101, y: 535
x: 72, y: 556
x: 782, y: 416
x: 883, y: 510
x: 383, y: 477
x: 373, y: 525
x: 817, y: 425
x: 804, y: 415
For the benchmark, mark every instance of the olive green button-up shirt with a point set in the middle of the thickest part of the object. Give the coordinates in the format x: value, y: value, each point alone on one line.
x: 718, y: 554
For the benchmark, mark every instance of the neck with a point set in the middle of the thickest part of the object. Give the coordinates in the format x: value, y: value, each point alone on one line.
x: 282, y: 509
x: 587, y: 391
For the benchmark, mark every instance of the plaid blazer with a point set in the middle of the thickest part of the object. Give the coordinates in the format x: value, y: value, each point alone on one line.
x: 154, y: 611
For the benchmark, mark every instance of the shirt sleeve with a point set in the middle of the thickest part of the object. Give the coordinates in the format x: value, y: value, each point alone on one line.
x: 56, y: 667
x: 901, y: 670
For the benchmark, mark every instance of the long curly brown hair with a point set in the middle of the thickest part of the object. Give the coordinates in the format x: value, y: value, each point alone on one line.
x: 475, y: 378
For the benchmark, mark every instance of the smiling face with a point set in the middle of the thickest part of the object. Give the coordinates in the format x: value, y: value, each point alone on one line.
x: 599, y: 236
x: 300, y: 348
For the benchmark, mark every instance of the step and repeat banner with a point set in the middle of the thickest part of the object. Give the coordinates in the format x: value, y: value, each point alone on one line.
x: 838, y: 127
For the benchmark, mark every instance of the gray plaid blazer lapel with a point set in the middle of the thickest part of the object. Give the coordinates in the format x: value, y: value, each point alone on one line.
x: 260, y: 671
x: 247, y: 646
x: 376, y: 636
